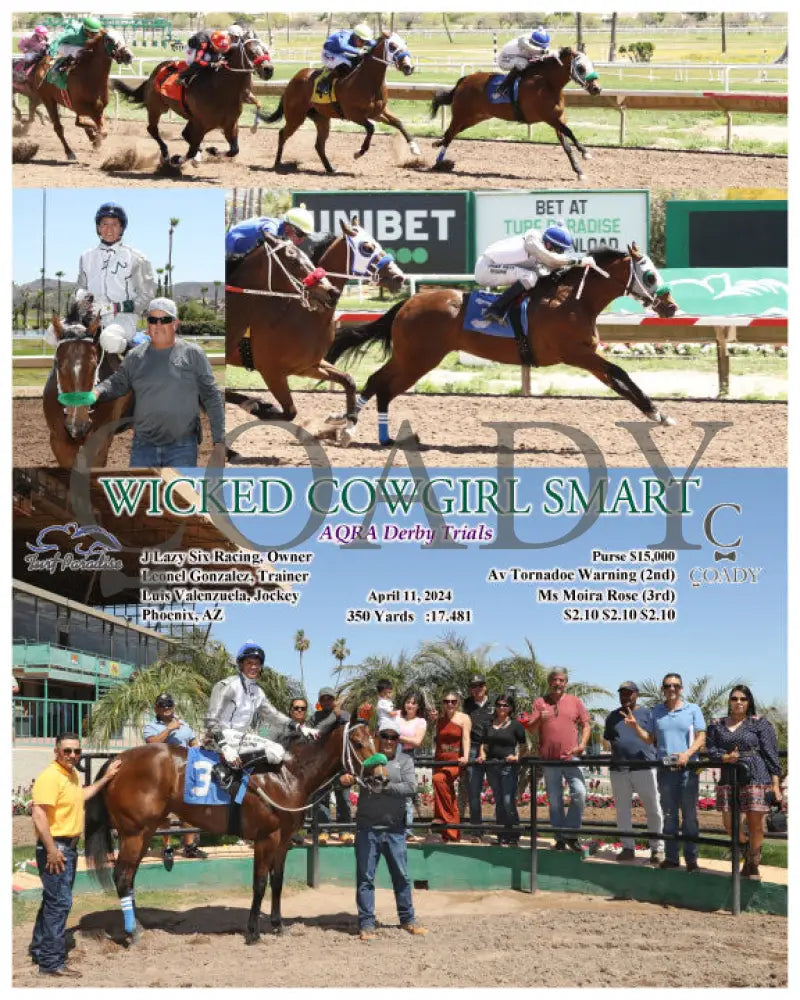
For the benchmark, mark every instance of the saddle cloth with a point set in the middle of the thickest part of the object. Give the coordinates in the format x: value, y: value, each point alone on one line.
x: 166, y: 81
x: 198, y: 786
x: 57, y: 77
x: 328, y: 98
x: 476, y: 322
x: 492, y: 85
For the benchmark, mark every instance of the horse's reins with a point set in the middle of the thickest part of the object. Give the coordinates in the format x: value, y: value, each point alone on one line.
x: 371, y: 270
x: 348, y: 756
x: 302, y: 285
x: 251, y: 63
x: 633, y: 283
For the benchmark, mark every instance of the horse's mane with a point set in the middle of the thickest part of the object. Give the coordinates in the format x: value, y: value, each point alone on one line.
x: 601, y: 255
x: 320, y: 247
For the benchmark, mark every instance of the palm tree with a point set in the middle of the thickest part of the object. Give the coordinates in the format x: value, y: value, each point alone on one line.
x: 188, y: 671
x: 722, y: 29
x: 612, y: 45
x: 528, y: 676
x: 217, y: 286
x: 24, y: 309
x: 59, y: 276
x: 203, y: 290
x: 173, y: 222
x: 712, y: 701
x: 159, y: 287
x: 364, y: 683
x: 340, y: 652
x: 301, y: 644
x: 579, y: 43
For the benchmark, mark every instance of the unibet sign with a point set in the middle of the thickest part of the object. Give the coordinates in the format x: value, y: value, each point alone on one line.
x: 613, y: 218
x: 426, y: 232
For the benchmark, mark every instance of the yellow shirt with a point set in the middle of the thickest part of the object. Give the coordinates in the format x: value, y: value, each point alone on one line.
x: 59, y: 792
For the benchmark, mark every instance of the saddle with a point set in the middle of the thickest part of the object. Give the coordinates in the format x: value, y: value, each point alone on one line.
x: 324, y: 91
x: 167, y: 81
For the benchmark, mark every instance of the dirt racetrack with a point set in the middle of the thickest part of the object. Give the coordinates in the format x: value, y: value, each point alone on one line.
x: 31, y: 439
x: 480, y: 163
x: 476, y: 939
x: 450, y: 429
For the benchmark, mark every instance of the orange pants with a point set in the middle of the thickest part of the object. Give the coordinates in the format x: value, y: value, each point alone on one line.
x: 445, y: 805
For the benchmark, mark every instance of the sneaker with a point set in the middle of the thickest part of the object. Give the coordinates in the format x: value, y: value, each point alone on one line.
x: 656, y: 857
x: 193, y: 851
x: 65, y: 972
x: 413, y: 929
x: 168, y: 858
x: 666, y: 863
x: 367, y: 934
x: 626, y: 854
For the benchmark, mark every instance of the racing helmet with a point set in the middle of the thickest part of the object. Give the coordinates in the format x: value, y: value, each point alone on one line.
x: 221, y: 40
x: 540, y: 38
x: 300, y: 218
x: 364, y: 32
x: 250, y: 649
x: 235, y: 31
x: 557, y: 238
x: 110, y: 210
x: 92, y: 24
x: 41, y: 31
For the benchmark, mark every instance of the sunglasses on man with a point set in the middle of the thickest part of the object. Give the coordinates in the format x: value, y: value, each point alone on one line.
x: 160, y: 320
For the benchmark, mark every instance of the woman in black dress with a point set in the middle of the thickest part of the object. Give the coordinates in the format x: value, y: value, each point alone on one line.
x: 501, y: 741
x: 749, y: 739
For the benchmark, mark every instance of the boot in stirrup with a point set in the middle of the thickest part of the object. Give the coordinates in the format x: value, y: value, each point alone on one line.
x: 499, y: 310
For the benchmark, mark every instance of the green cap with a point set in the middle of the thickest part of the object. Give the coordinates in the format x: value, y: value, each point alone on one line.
x: 92, y: 24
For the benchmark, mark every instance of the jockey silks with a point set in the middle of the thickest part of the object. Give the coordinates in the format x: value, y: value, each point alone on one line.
x: 118, y: 275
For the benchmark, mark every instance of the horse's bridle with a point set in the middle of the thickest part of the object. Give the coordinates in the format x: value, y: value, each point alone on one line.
x: 395, y: 60
x: 249, y: 63
x: 70, y: 400
x: 348, y: 757
x: 301, y: 285
x: 375, y: 262
x: 633, y: 286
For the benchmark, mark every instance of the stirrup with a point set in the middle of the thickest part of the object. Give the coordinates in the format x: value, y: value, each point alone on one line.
x: 224, y: 776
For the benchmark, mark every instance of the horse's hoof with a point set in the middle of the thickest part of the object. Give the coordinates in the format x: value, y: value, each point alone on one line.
x: 444, y: 166
x: 667, y: 421
x: 252, y: 938
x: 71, y: 157
x: 176, y: 160
x: 587, y: 155
x: 357, y: 155
x: 277, y: 929
x: 414, y: 149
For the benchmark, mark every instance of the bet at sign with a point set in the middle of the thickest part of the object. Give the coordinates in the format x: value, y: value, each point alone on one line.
x: 427, y: 233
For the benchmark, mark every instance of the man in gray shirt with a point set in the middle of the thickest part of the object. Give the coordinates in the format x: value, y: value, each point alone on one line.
x: 169, y: 378
x: 384, y: 809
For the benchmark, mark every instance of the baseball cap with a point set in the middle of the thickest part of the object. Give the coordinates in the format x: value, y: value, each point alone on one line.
x: 629, y: 686
x: 326, y: 693
x: 477, y: 679
x: 165, y: 699
x: 387, y: 728
x: 165, y: 305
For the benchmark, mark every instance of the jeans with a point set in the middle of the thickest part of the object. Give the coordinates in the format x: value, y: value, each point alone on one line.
x: 181, y: 453
x: 370, y: 845
x: 503, y: 783
x: 343, y: 814
x: 48, y: 945
x: 678, y: 790
x: 469, y: 789
x: 555, y: 796
x: 643, y: 783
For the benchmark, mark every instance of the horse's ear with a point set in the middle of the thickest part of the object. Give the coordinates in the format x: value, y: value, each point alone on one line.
x: 93, y: 326
x: 354, y: 221
x: 634, y: 251
x: 56, y: 326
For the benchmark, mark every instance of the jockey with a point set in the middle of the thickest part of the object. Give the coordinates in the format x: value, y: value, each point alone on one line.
x: 204, y: 48
x: 342, y: 51
x: 68, y: 44
x: 34, y: 45
x: 236, y: 707
x: 120, y: 278
x: 518, y: 54
x: 523, y: 260
x: 235, y: 33
x: 295, y: 225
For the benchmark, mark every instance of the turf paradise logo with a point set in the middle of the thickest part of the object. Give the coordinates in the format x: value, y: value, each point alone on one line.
x: 89, y: 549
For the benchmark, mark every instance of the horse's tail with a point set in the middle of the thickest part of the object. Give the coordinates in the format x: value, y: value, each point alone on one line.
x: 97, y: 836
x: 276, y: 115
x: 442, y: 97
x: 137, y: 95
x: 353, y: 340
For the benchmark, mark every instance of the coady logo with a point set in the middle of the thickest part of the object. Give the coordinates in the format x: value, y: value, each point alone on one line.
x: 89, y: 549
x: 726, y: 544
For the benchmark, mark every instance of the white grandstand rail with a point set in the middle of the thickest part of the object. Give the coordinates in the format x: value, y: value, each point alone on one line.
x: 46, y: 360
x: 640, y: 329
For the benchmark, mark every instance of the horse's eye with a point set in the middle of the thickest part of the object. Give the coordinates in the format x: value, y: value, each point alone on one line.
x: 291, y: 251
x: 649, y: 278
x: 366, y: 248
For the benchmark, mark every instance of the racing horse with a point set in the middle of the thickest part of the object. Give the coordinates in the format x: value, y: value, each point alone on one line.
x: 288, y: 340
x: 79, y: 364
x: 214, y: 99
x: 358, y: 97
x: 150, y: 784
x: 540, y: 99
x: 562, y: 316
x: 86, y: 92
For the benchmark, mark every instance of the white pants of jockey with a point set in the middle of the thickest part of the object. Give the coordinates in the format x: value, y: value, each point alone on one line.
x: 507, y: 61
x: 114, y: 337
x: 234, y: 743
x: 494, y: 275
x: 331, y: 60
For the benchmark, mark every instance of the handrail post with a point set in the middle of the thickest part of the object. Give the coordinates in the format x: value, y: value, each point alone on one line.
x: 534, y: 829
x: 736, y: 878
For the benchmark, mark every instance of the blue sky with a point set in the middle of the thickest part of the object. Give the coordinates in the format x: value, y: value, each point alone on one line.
x: 198, y: 247
x: 724, y: 630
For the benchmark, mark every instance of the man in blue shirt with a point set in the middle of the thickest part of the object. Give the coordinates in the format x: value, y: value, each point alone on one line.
x: 679, y: 732
x: 168, y: 728
x: 627, y: 746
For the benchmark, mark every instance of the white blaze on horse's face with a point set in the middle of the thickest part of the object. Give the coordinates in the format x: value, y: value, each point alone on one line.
x: 397, y: 53
x: 583, y: 73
